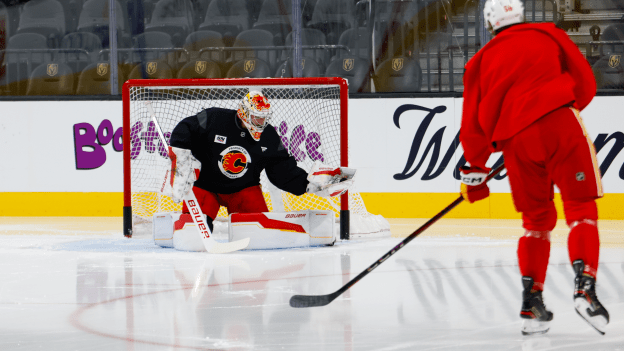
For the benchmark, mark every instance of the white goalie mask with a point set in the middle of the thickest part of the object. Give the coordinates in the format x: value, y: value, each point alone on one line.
x: 255, y: 113
x: 502, y: 13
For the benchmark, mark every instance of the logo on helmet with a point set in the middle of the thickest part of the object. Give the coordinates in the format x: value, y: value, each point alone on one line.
x: 234, y: 161
x: 259, y: 102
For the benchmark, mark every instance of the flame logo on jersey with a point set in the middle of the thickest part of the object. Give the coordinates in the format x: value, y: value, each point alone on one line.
x: 234, y: 162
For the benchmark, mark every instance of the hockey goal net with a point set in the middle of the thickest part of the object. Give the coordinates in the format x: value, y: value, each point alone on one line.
x: 309, y: 114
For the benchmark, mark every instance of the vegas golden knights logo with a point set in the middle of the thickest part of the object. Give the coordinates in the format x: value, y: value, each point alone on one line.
x: 614, y: 61
x: 397, y: 64
x: 152, y: 67
x: 200, y: 66
x: 52, y: 69
x: 348, y: 64
x: 102, y: 69
x: 250, y: 65
x: 302, y: 63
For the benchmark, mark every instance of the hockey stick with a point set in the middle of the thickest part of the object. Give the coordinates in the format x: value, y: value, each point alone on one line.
x: 299, y: 301
x: 212, y: 246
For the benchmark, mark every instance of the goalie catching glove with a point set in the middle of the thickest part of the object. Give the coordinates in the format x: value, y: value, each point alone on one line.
x: 327, y: 181
x: 184, y: 172
x: 474, y: 187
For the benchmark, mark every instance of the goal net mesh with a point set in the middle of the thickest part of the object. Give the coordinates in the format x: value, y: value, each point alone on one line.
x: 307, y: 119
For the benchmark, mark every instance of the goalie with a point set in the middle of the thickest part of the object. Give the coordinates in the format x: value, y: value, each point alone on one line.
x: 232, y: 148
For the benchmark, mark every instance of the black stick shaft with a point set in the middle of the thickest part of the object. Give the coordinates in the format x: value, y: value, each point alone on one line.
x: 310, y: 301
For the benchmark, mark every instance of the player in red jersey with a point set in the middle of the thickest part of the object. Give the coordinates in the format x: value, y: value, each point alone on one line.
x: 522, y: 95
x: 232, y: 148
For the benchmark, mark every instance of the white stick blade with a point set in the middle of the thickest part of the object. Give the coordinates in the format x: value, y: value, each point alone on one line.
x: 218, y: 248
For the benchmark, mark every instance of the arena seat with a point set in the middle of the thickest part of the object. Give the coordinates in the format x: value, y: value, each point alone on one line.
x: 311, y: 68
x: 251, y: 39
x: 358, y: 41
x: 94, y: 19
x: 276, y: 17
x: 152, y: 46
x: 228, y: 17
x: 82, y: 49
x: 199, y: 69
x: 151, y: 70
x: 51, y: 78
x: 354, y: 69
x: 249, y: 68
x: 398, y: 74
x: 609, y: 72
x: 174, y: 17
x: 333, y: 17
x: 45, y: 17
x: 19, y: 65
x: 310, y: 36
x: 202, y: 39
x: 95, y: 80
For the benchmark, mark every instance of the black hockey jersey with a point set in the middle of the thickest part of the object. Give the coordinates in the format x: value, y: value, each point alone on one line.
x: 231, y: 159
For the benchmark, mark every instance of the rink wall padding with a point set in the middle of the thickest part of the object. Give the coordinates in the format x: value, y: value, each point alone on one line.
x: 64, y: 158
x: 389, y: 205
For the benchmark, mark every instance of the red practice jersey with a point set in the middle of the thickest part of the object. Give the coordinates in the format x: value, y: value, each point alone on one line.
x: 522, y: 74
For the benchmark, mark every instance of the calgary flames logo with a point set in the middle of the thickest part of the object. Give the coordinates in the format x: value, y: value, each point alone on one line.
x: 234, y: 161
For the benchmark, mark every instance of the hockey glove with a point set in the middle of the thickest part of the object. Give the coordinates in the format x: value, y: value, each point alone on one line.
x: 184, y: 172
x: 327, y: 181
x: 474, y: 187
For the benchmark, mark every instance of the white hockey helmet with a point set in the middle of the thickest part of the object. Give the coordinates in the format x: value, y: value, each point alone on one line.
x: 255, y: 113
x: 502, y: 13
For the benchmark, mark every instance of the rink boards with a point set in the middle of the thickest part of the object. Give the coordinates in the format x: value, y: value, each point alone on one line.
x: 65, y: 159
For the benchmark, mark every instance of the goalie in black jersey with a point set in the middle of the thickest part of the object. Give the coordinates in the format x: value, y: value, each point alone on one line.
x: 232, y: 148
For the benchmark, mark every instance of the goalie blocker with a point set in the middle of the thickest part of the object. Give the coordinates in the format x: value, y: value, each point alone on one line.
x: 272, y: 230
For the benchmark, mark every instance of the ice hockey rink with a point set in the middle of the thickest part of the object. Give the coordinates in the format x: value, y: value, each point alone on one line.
x: 78, y: 284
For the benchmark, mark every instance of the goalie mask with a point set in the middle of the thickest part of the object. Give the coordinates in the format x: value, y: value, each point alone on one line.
x: 502, y: 13
x: 255, y: 113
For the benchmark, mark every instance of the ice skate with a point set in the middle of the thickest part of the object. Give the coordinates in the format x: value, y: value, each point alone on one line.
x: 585, y: 299
x: 536, y: 318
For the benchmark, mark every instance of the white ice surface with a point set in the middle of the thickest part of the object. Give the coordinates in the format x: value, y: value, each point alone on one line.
x: 69, y: 292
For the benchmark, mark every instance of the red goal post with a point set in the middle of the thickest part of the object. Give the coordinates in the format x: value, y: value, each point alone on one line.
x: 310, y: 114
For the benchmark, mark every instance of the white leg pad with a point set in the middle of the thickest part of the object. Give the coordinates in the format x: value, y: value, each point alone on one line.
x: 278, y: 230
x: 170, y: 231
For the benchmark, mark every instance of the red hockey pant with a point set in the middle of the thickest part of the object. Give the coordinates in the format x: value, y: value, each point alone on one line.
x: 554, y: 150
x: 247, y: 200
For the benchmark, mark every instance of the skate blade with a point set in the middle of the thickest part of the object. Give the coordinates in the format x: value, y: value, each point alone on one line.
x: 533, y: 327
x: 598, y: 322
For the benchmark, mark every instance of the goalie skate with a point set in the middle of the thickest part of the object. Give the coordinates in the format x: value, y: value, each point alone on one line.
x: 585, y: 300
x: 536, y: 318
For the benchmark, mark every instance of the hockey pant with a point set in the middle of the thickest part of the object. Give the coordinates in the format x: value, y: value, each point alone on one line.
x: 248, y: 200
x: 554, y: 150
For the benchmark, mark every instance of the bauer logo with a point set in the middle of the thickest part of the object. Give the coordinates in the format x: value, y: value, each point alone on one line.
x: 233, y: 162
x: 298, y: 215
x: 89, y: 143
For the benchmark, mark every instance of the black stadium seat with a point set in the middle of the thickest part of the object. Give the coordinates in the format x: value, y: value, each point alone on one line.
x: 249, y: 68
x: 398, y: 74
x: 95, y: 80
x: 94, y: 18
x: 310, y: 36
x: 255, y: 38
x: 608, y: 69
x: 228, y: 17
x: 275, y: 17
x: 174, y: 17
x: 202, y: 39
x: 82, y: 49
x: 45, y: 17
x: 333, y: 17
x: 18, y: 65
x: 200, y: 69
x: 354, y: 69
x: 51, y: 78
x: 310, y: 68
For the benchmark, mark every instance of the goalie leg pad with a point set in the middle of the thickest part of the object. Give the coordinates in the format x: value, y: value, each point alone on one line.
x: 177, y: 230
x: 274, y: 230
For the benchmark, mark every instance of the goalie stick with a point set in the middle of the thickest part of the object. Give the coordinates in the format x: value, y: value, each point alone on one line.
x: 301, y: 301
x: 212, y: 246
